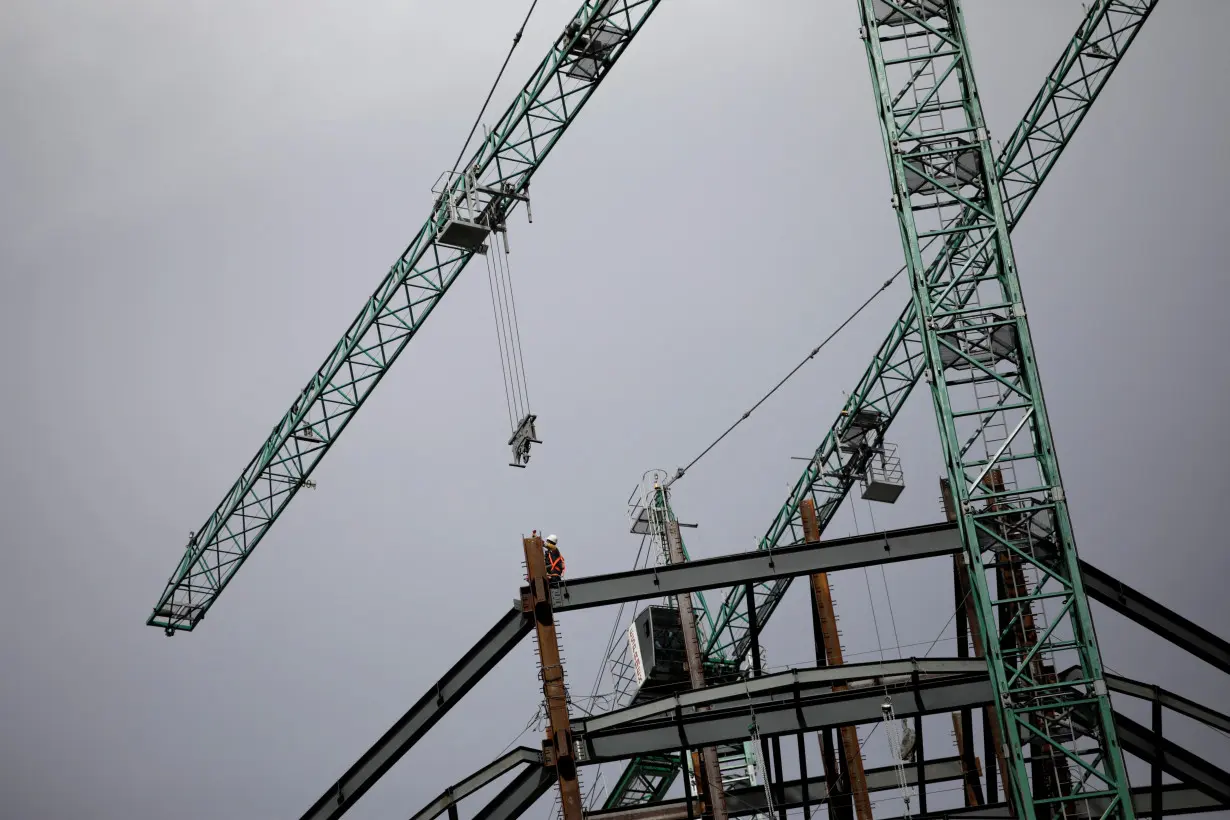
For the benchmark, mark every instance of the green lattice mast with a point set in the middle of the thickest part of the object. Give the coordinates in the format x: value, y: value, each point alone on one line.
x: 997, y: 442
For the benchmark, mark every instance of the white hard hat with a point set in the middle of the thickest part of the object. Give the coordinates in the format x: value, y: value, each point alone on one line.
x: 551, y: 539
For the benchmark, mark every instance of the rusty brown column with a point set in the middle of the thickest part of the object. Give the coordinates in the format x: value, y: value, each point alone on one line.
x: 557, y: 747
x: 822, y: 598
x: 962, y: 579
x: 710, y: 774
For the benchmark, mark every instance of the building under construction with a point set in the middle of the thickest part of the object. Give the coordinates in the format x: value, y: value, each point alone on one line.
x: 1016, y: 717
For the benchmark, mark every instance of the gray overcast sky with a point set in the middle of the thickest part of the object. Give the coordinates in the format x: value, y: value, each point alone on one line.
x: 198, y: 198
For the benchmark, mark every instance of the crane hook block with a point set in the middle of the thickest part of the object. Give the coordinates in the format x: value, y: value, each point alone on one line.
x: 522, y: 438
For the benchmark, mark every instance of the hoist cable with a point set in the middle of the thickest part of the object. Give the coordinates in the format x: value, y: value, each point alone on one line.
x: 871, y: 601
x: 888, y: 595
x: 499, y: 338
x: 506, y: 331
x: 516, y: 329
x: 486, y: 102
x: 683, y: 470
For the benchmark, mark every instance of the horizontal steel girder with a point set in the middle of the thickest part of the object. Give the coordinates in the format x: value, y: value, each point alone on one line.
x: 751, y: 799
x: 876, y: 673
x: 783, y: 704
x: 733, y: 570
x: 1176, y: 799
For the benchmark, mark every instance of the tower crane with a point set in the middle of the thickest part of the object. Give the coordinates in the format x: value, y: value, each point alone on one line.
x: 470, y: 205
x: 1078, y: 77
x: 964, y: 332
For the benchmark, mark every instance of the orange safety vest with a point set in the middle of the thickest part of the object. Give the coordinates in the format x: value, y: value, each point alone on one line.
x: 555, y: 563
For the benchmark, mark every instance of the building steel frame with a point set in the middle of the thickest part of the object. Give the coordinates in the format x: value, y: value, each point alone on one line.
x: 924, y: 685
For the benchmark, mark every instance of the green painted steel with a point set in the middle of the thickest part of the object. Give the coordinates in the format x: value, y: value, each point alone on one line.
x: 987, y: 394
x: 1084, y: 67
x: 647, y: 781
x: 505, y: 161
x: 1073, y: 84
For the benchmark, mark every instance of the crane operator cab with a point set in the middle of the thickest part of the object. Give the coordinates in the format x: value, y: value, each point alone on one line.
x: 555, y: 560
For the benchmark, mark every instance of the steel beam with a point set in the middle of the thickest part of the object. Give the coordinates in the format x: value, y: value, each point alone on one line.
x: 629, y: 732
x: 1170, y: 700
x: 1108, y: 590
x: 450, y: 796
x: 518, y: 795
x: 751, y: 799
x: 740, y: 568
x: 1175, y: 760
x: 1176, y: 799
x: 782, y: 685
x: 398, y: 740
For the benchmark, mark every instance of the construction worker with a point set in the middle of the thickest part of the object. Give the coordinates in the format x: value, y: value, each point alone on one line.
x: 555, y: 561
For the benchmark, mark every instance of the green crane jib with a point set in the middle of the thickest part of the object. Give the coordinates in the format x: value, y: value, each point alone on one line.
x: 473, y: 202
x: 1086, y: 64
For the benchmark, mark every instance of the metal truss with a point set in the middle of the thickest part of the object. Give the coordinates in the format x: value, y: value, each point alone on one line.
x: 996, y: 437
x: 806, y: 559
x: 802, y: 699
x: 1026, y: 160
x: 1047, y: 128
x: 491, y: 184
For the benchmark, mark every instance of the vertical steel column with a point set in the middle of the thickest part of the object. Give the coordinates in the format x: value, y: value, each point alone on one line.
x: 687, y: 785
x: 710, y: 774
x: 991, y: 753
x: 987, y: 394
x: 800, y: 739
x: 920, y: 762
x: 753, y: 635
x: 557, y: 748
x: 1159, y: 753
x: 822, y: 601
x: 778, y: 787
